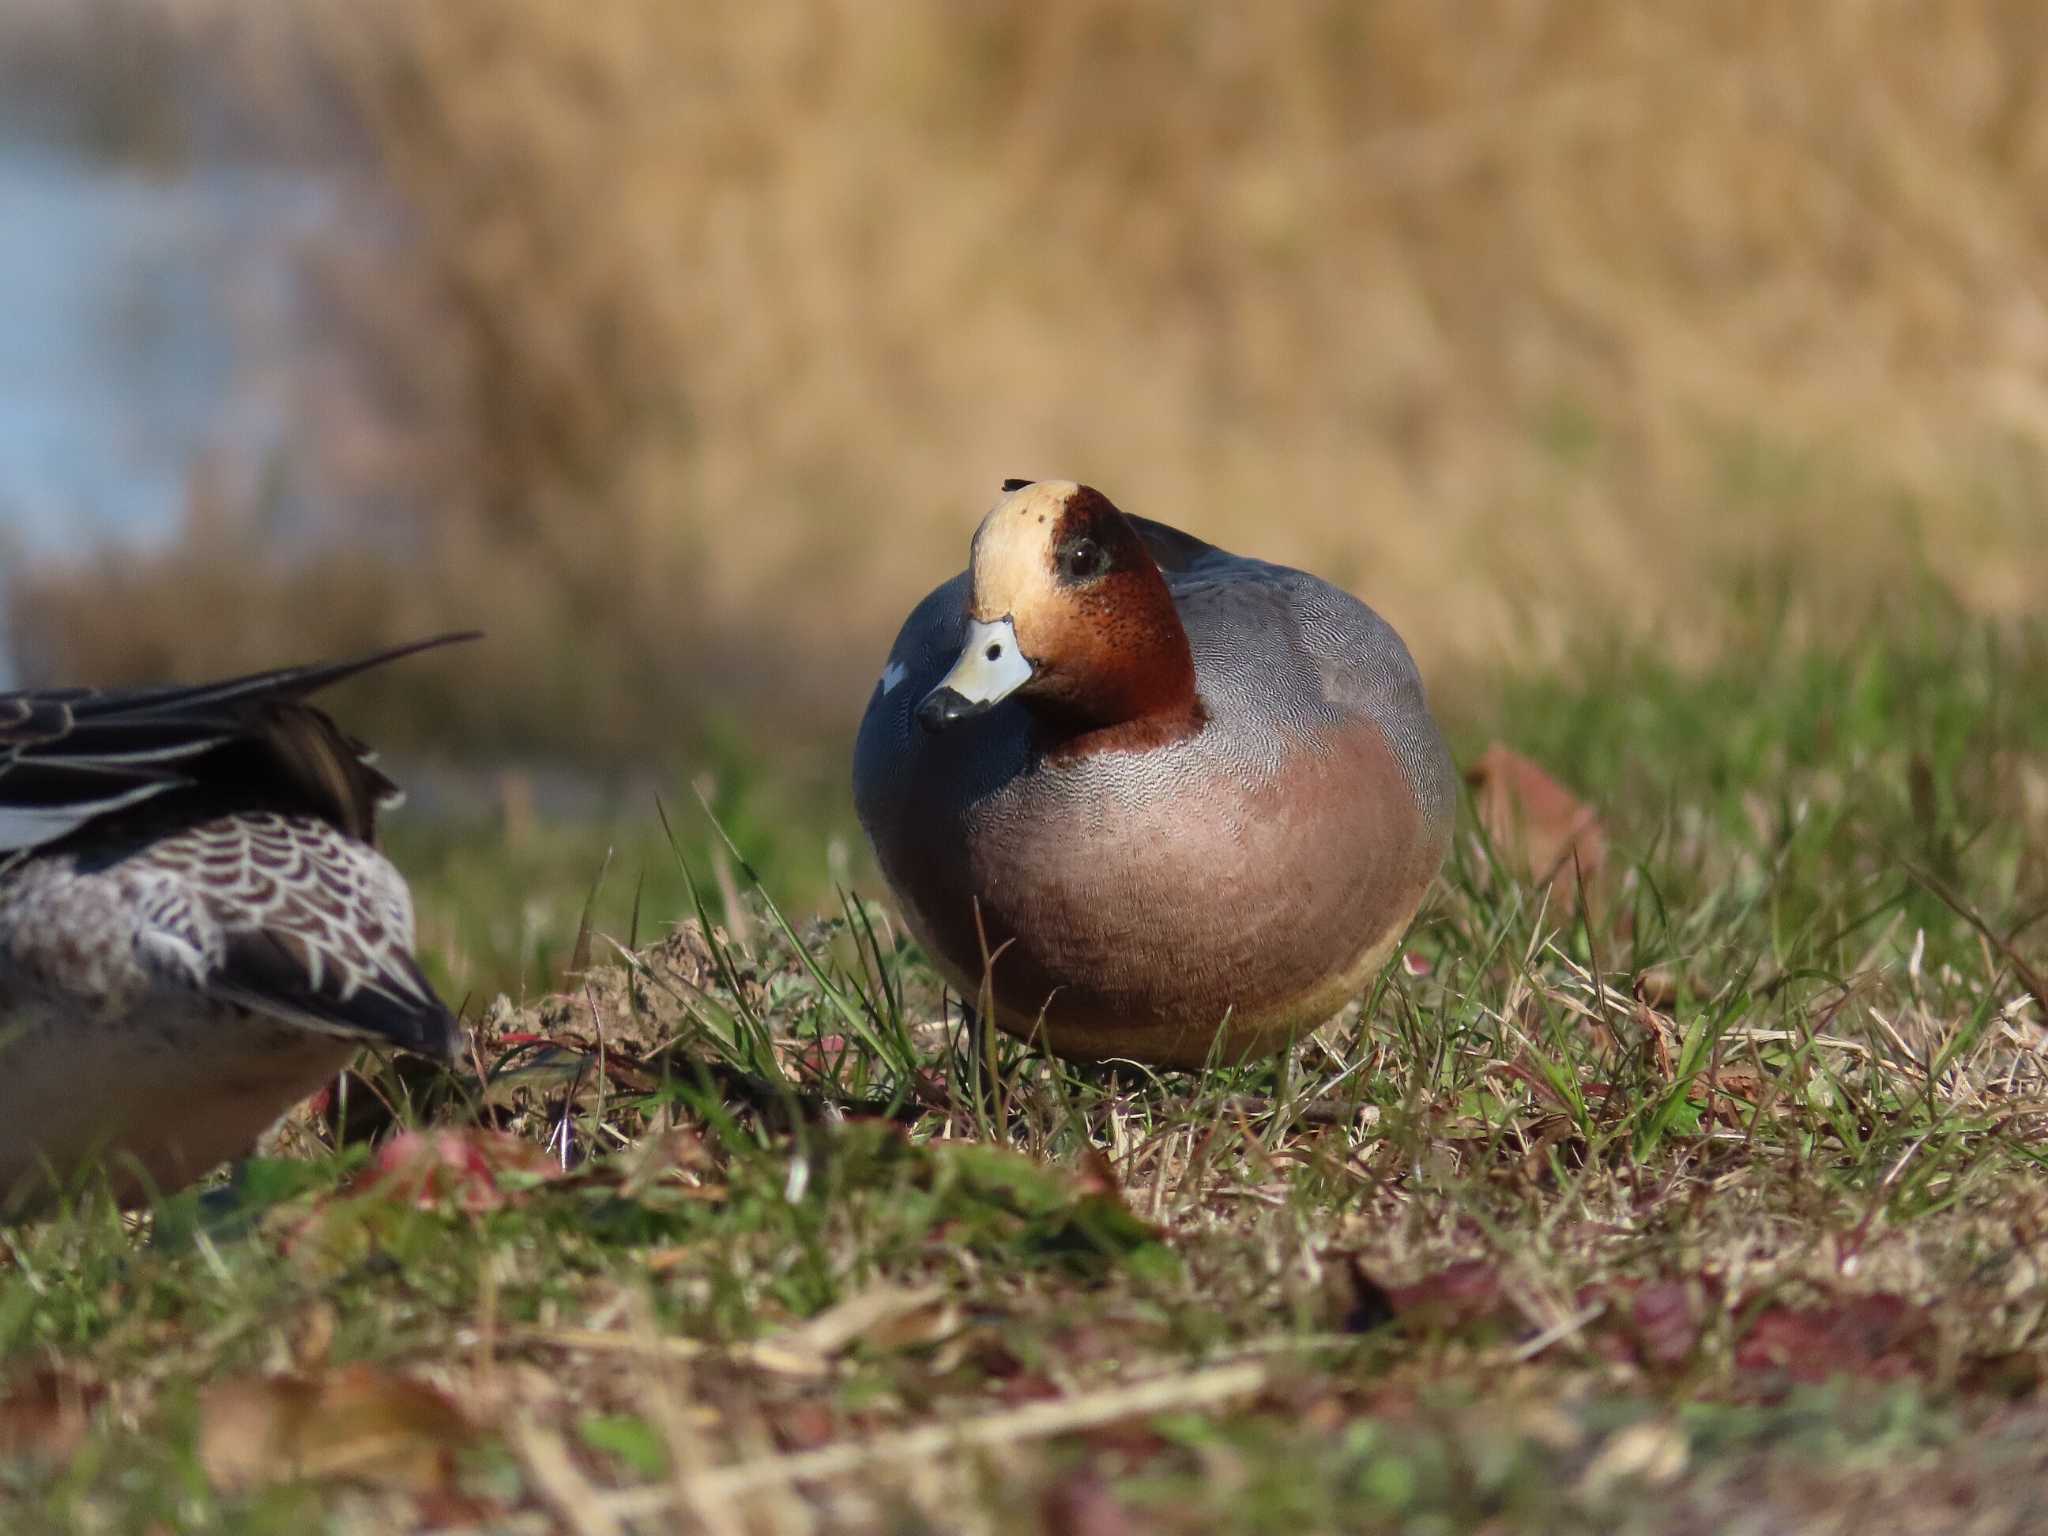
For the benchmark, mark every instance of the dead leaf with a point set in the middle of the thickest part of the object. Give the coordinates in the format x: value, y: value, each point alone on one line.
x: 1024, y: 1386
x: 1083, y: 1505
x: 1462, y: 1293
x: 1130, y: 1443
x: 805, y: 1424
x: 1668, y: 1317
x: 464, y: 1169
x: 45, y: 1415
x: 1729, y: 1094
x: 1455, y: 1297
x: 1096, y: 1175
x: 1880, y: 1336
x: 359, y: 1424
x: 1543, y: 833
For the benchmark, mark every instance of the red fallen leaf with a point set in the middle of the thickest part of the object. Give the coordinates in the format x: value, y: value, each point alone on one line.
x: 2013, y: 1376
x: 1544, y: 833
x: 450, y: 1509
x: 1133, y: 1442
x: 804, y: 1425
x: 1667, y: 1318
x: 45, y: 1414
x: 1414, y: 964
x: 1097, y: 1176
x: 360, y: 1424
x: 1737, y: 1082
x: 1880, y: 1336
x: 463, y: 1169
x: 1456, y: 1297
x: 1731, y: 1095
x: 1021, y: 1387
x: 1083, y: 1505
x: 1325, y: 1413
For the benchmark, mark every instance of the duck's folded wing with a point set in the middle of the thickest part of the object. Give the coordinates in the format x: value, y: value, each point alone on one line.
x: 291, y: 918
x: 264, y: 970
x: 70, y: 756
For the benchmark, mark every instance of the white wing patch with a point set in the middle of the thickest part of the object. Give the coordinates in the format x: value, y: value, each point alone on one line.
x: 893, y: 674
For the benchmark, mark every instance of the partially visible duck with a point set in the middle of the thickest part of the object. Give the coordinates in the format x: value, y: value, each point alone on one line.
x: 195, y: 927
x: 1176, y: 805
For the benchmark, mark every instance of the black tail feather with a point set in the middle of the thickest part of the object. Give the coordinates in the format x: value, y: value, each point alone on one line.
x: 70, y: 756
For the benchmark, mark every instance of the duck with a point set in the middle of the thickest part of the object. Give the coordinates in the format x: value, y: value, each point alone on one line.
x: 1144, y: 799
x: 197, y: 929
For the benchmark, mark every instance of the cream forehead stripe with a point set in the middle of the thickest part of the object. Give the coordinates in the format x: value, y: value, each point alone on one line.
x: 1010, y: 561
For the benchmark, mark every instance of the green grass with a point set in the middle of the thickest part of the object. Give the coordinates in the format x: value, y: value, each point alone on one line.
x: 1719, y: 1206
x: 502, y: 899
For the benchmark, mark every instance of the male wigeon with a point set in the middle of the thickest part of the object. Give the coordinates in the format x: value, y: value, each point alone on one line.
x: 1175, y: 805
x: 195, y: 927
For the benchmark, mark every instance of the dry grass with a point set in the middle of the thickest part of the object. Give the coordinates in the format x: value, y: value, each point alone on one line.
x: 704, y: 332
x: 1719, y: 1207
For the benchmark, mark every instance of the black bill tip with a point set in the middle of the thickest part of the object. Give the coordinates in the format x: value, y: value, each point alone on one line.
x: 943, y: 707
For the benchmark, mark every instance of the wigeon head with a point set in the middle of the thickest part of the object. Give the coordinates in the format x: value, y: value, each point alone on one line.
x: 1068, y: 611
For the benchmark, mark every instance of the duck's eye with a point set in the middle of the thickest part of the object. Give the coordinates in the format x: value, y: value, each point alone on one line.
x: 994, y: 651
x: 1082, y: 559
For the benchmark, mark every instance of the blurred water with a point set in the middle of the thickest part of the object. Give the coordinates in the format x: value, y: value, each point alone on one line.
x: 145, y: 324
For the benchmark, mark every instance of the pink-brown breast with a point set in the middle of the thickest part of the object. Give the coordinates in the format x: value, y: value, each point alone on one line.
x: 1139, y: 910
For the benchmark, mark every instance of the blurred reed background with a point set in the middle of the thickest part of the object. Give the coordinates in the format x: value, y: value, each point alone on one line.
x: 680, y: 346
